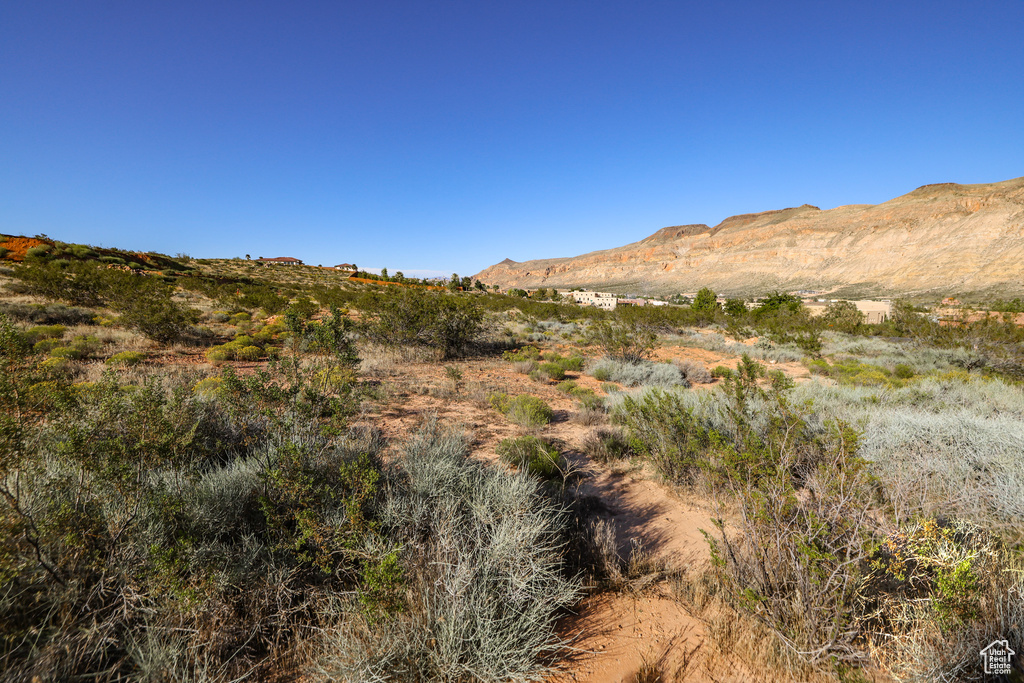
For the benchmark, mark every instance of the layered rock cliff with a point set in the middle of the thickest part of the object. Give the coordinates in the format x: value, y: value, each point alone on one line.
x: 944, y: 238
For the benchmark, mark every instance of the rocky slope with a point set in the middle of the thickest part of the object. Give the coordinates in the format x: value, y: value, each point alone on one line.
x: 944, y: 238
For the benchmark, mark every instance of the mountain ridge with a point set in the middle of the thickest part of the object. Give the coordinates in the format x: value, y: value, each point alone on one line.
x: 941, y: 237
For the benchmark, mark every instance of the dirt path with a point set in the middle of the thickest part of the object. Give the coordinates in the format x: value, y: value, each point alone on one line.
x: 614, y: 634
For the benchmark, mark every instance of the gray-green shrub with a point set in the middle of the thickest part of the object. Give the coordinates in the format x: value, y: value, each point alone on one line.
x: 483, y: 555
x: 637, y: 374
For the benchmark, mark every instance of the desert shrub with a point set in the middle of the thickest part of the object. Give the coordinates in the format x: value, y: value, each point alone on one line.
x: 525, y: 353
x: 79, y: 284
x: 156, y: 315
x: 524, y: 410
x: 525, y: 367
x: 843, y: 316
x: 721, y: 371
x: 568, y: 386
x: 165, y: 509
x: 628, y: 342
x: 207, y: 387
x: 48, y: 314
x: 126, y: 358
x: 903, y: 371
x: 482, y: 556
x: 606, y: 444
x: 533, y: 455
x: 949, y: 463
x: 82, y: 251
x: 637, y: 374
x: 219, y: 354
x: 4, y: 251
x: 249, y: 353
x: 552, y: 370
x: 589, y: 414
x: 80, y: 348
x: 446, y: 322
x: 334, y: 336
x: 38, y: 252
x: 41, y: 332
x: 693, y: 372
x: 572, y: 363
x: 46, y: 345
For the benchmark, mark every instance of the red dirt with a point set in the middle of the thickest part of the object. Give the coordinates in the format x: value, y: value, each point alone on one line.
x: 18, y: 246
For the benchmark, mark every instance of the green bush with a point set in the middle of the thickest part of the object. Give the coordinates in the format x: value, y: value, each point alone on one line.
x: 534, y: 455
x: 4, y: 251
x: 38, y: 252
x: 219, y: 354
x: 552, y: 370
x: 34, y: 334
x: 81, y: 347
x: 414, y: 317
x: 903, y: 371
x: 46, y: 345
x: 249, y: 353
x: 208, y: 387
x: 721, y: 371
x: 156, y: 315
x: 126, y: 358
x: 526, y: 353
x: 567, y: 387
x: 524, y: 410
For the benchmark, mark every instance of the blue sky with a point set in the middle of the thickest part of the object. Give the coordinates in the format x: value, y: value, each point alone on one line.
x: 450, y: 135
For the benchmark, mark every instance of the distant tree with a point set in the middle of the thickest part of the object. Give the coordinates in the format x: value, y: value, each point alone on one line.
x: 467, y: 283
x: 541, y: 294
x: 517, y: 292
x: 705, y: 304
x: 843, y: 316
x: 735, y: 307
x: 399, y: 277
x: 248, y: 258
x: 383, y: 273
x: 777, y: 301
x: 479, y: 285
x: 453, y: 283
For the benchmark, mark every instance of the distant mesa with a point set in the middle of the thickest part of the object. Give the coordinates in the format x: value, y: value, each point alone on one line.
x: 938, y: 238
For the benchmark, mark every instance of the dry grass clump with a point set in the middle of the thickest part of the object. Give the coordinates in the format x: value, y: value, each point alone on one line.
x: 483, y: 575
x: 694, y: 372
x: 642, y: 373
x: 606, y: 444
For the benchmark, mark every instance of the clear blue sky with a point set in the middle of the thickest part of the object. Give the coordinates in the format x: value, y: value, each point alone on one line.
x: 450, y: 135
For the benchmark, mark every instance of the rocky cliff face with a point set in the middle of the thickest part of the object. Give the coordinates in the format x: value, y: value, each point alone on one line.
x: 944, y: 238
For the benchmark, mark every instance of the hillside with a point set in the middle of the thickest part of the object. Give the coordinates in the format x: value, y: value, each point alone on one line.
x: 937, y: 239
